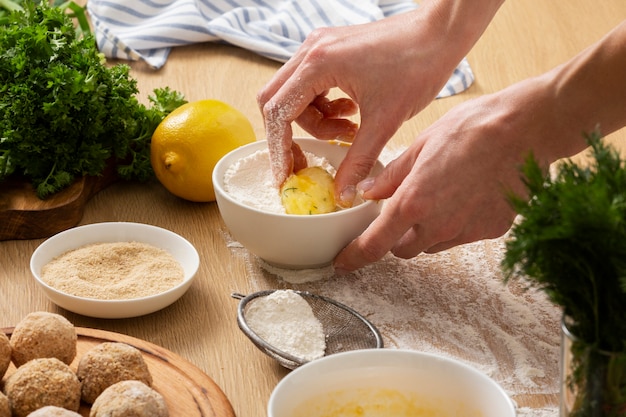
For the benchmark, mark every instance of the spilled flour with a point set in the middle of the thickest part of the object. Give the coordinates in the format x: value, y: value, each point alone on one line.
x: 453, y: 303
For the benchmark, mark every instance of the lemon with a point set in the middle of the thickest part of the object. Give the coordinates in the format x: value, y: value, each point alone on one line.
x: 190, y: 140
x: 309, y: 191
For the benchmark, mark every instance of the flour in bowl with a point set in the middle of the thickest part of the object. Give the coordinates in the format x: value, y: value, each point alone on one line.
x: 286, y: 321
x: 250, y: 180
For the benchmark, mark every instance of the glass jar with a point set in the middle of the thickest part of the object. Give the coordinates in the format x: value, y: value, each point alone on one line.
x: 593, y: 381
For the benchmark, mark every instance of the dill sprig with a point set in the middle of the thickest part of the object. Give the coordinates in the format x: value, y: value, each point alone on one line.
x: 571, y: 242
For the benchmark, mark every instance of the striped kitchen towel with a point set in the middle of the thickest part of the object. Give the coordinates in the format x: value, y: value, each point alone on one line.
x: 148, y: 29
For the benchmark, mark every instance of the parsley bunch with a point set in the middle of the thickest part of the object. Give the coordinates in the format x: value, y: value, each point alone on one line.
x: 571, y: 243
x: 63, y: 112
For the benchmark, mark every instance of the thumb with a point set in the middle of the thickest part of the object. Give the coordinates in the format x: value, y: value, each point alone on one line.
x: 359, y: 160
x: 387, y: 182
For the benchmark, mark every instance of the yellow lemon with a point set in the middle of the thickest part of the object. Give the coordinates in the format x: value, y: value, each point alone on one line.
x: 309, y: 191
x: 190, y: 140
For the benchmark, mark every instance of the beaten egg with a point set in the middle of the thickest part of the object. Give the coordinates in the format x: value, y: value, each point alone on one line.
x: 376, y: 402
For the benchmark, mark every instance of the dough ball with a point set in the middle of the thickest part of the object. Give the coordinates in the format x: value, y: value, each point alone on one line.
x: 41, y: 382
x: 5, y: 354
x: 5, y: 408
x: 43, y: 335
x: 129, y: 399
x: 53, y: 411
x: 108, y: 363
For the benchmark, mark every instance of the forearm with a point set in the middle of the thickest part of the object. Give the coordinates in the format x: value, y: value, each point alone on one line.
x: 427, y: 44
x: 591, y: 88
x: 548, y: 115
x: 457, y: 25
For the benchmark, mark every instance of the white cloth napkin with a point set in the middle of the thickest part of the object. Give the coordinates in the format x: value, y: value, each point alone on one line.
x: 148, y: 29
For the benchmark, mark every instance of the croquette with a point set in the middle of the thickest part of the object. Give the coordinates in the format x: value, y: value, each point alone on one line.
x: 5, y: 408
x: 53, y: 411
x: 5, y: 354
x: 129, y: 399
x: 41, y: 382
x: 43, y: 335
x: 108, y: 363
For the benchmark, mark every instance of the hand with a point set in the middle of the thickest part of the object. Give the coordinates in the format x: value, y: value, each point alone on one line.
x: 389, y: 69
x: 450, y: 186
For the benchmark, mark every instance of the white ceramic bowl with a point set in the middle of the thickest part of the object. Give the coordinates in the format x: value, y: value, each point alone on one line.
x: 292, y: 241
x: 108, y: 232
x: 364, y: 378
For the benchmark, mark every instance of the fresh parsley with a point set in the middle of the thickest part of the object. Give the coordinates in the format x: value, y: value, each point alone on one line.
x: 65, y: 113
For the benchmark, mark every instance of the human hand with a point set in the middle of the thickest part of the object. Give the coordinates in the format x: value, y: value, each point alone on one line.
x: 386, y: 77
x: 450, y: 186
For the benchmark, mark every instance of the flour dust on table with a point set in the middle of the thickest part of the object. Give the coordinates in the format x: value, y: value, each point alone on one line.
x: 453, y: 303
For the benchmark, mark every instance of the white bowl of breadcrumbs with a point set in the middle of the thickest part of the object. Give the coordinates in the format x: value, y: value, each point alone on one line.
x: 115, y: 269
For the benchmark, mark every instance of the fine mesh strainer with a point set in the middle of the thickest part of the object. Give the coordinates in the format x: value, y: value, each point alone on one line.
x: 345, y: 329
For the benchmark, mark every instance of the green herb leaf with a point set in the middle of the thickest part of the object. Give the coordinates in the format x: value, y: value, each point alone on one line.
x: 63, y: 112
x: 571, y: 242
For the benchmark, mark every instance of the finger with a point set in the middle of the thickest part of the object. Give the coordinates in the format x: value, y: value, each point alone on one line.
x: 385, y: 184
x: 293, y: 69
x: 279, y: 144
x: 334, y: 109
x: 299, y: 158
x: 417, y: 240
x: 280, y: 77
x: 373, y: 243
x: 410, y: 244
x: 279, y: 111
x: 315, y: 123
x: 278, y: 114
x: 444, y: 246
x: 369, y: 141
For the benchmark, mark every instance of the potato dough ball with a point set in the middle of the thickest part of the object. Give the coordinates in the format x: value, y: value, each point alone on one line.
x: 41, y: 382
x: 129, y: 399
x: 5, y: 354
x: 43, y: 335
x: 108, y: 363
x: 5, y: 409
x: 53, y: 411
x: 309, y: 191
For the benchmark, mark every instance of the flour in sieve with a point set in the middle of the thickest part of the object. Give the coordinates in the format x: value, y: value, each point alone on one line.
x: 250, y: 180
x: 286, y: 321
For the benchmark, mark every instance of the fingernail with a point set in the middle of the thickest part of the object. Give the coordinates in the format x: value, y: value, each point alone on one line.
x: 340, y: 270
x: 347, y: 196
x: 365, y: 185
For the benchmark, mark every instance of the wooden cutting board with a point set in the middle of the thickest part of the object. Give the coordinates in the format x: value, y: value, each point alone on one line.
x: 187, y: 391
x: 23, y: 215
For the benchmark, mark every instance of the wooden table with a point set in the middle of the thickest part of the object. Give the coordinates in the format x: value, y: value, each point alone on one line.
x: 526, y: 38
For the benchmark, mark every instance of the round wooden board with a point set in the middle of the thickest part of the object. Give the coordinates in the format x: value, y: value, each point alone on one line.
x: 187, y: 390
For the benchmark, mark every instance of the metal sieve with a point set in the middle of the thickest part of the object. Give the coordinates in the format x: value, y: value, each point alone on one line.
x: 345, y: 329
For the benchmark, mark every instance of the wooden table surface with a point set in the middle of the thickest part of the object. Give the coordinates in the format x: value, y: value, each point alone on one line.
x: 526, y: 38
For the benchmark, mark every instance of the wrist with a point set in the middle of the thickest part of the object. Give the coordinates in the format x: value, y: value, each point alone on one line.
x: 591, y: 87
x: 458, y: 24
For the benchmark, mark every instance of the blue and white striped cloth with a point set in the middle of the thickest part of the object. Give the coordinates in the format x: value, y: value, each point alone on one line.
x: 148, y: 29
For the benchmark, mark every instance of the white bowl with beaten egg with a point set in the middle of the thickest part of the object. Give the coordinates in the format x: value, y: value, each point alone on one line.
x: 286, y: 240
x: 111, y: 232
x: 388, y: 382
